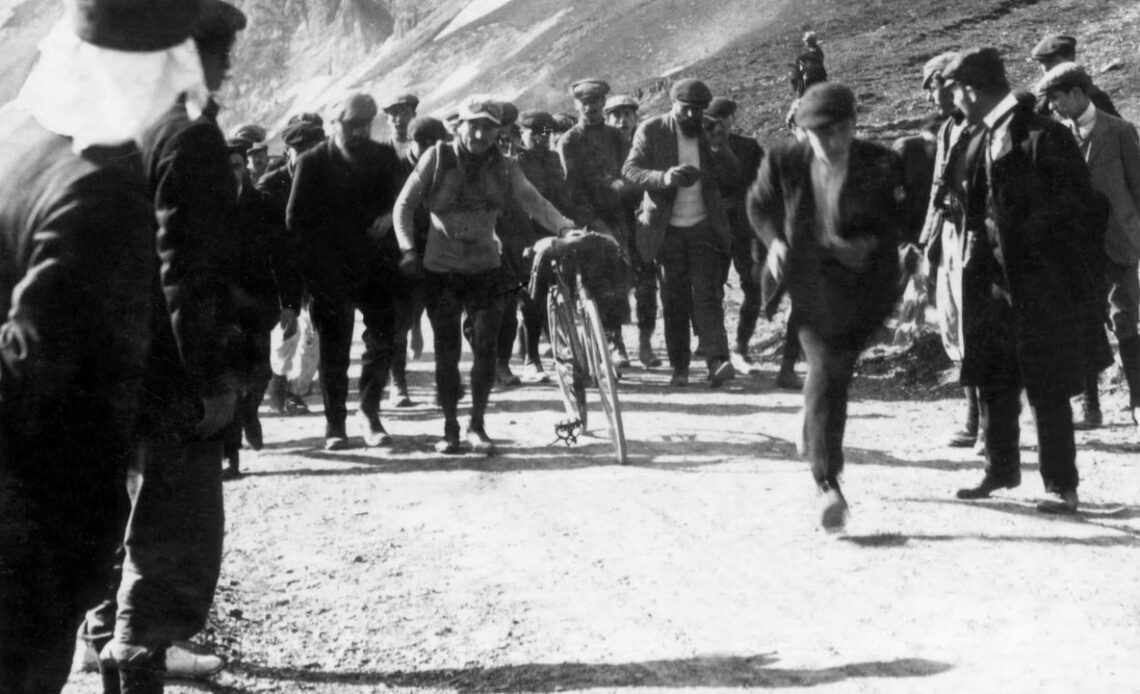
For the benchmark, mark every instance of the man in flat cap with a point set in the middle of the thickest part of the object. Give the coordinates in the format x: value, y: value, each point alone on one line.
x: 291, y: 372
x: 622, y: 113
x: 943, y: 228
x: 400, y: 111
x: 1055, y: 49
x: 1034, y: 231
x: 542, y: 167
x: 592, y: 154
x: 465, y: 186
x: 749, y: 154
x: 340, y: 209
x: 838, y: 258
x: 683, y: 226
x: 173, y: 539
x: 1110, y: 147
x: 77, y: 233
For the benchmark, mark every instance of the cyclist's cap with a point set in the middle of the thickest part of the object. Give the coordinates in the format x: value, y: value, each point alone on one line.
x: 590, y: 87
x: 536, y: 120
x: 402, y: 100
x: 825, y: 103
x: 476, y: 108
x: 620, y: 101
x: 691, y: 91
x: 510, y: 112
x: 721, y: 107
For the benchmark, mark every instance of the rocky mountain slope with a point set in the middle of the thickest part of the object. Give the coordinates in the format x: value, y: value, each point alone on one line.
x: 305, y: 54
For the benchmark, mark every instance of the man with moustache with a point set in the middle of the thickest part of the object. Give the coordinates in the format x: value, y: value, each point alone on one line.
x: 340, y: 209
x: 592, y: 155
x: 1030, y: 278
x: 683, y: 226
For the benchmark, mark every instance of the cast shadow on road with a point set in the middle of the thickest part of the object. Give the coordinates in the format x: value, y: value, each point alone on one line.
x: 710, y: 671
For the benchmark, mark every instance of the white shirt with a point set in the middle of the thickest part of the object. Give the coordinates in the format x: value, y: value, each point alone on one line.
x: 1083, y: 126
x: 826, y: 185
x: 689, y: 206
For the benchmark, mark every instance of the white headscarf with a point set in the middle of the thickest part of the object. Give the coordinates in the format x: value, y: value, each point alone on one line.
x: 99, y: 96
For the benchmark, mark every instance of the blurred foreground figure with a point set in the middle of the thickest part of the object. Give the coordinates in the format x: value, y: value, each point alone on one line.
x: 829, y: 211
x: 78, y: 262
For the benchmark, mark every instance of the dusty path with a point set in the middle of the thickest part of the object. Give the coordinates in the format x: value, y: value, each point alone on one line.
x: 697, y: 566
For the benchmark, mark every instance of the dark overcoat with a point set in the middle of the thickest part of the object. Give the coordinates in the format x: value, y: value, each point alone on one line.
x: 1048, y: 223
x: 842, y: 304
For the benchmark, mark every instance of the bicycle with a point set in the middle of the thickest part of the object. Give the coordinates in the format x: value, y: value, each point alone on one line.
x: 578, y: 342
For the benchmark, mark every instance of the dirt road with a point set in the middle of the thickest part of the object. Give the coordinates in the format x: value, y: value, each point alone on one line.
x: 698, y: 565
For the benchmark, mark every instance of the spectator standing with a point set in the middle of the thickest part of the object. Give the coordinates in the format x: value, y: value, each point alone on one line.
x: 1028, y: 283
x: 683, y: 226
x: 1055, y: 49
x: 1110, y: 147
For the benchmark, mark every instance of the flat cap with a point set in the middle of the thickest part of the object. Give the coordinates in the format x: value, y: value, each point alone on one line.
x: 510, y: 112
x: 721, y: 107
x: 238, y: 145
x: 307, y: 117
x: 402, y: 100
x: 619, y: 101
x: 1064, y: 76
x: 536, y: 120
x: 824, y: 103
x: 302, y: 134
x: 258, y: 147
x: 981, y: 68
x: 1055, y: 44
x: 249, y: 131
x: 590, y: 87
x: 691, y: 91
x: 563, y: 122
x: 137, y: 26
x: 358, y: 107
x: 218, y: 20
x: 426, y: 128
x: 476, y: 108
x: 934, y: 67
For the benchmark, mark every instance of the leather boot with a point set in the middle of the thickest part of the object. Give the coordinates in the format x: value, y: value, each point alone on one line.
x: 141, y: 669
x: 275, y: 394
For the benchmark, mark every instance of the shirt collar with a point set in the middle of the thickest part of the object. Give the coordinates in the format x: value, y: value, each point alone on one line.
x: 1087, y: 119
x: 1003, y: 107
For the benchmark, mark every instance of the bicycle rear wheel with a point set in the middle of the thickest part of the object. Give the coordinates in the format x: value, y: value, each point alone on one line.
x: 602, y: 368
x: 568, y: 354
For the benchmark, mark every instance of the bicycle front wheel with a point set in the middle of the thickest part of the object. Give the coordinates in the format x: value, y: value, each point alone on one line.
x: 602, y: 368
x: 568, y: 354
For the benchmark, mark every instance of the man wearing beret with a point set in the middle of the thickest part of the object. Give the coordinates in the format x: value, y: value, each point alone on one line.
x: 302, y: 133
x: 683, y: 226
x: 340, y: 209
x: 400, y: 111
x: 621, y: 112
x: 173, y: 539
x: 1111, y: 149
x: 77, y: 232
x: 1030, y: 279
x: 1055, y: 49
x: 592, y: 155
x: 465, y: 186
x: 828, y: 210
x: 942, y: 228
x: 542, y: 167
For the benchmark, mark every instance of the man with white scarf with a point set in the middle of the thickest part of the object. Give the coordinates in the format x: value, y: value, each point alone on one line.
x: 76, y: 272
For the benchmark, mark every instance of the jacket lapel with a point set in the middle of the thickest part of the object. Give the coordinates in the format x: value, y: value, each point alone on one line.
x: 1094, y: 143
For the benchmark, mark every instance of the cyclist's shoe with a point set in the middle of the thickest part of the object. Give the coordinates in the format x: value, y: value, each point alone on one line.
x: 400, y: 397
x: 720, y: 371
x: 504, y: 377
x: 295, y: 405
x: 619, y: 357
x: 374, y: 433
x: 479, y: 441
x: 449, y: 444
x: 680, y: 378
x: 741, y: 352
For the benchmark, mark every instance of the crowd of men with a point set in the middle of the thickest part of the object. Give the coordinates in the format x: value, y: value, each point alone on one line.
x: 159, y: 280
